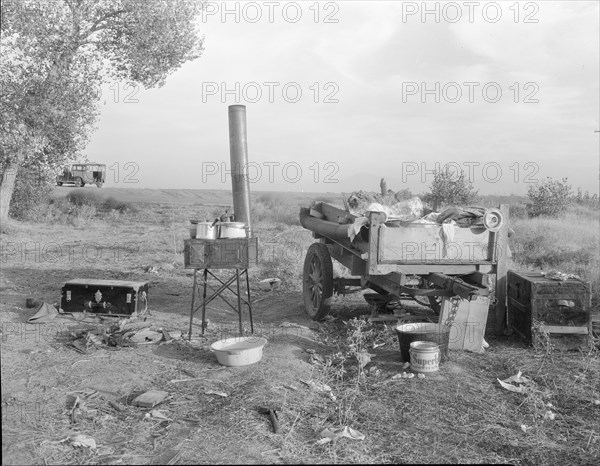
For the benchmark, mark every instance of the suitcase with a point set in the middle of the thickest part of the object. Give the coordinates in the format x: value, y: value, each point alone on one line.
x: 107, y: 297
x: 559, y: 309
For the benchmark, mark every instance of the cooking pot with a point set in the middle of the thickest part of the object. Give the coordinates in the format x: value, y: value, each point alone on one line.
x: 207, y: 230
x: 239, y: 351
x: 233, y: 230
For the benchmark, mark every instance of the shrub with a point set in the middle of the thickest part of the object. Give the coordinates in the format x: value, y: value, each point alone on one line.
x: 518, y: 211
x: 81, y: 197
x: 111, y: 203
x: 550, y: 197
x: 450, y: 188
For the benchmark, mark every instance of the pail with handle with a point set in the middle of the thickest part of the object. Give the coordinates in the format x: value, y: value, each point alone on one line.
x: 423, y: 331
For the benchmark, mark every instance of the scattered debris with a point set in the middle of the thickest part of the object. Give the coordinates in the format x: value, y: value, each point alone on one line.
x: 332, y: 434
x: 524, y: 428
x: 212, y: 392
x: 524, y: 382
x: 272, y: 412
x: 420, y: 375
x: 46, y: 313
x: 406, y: 365
x: 83, y: 441
x: 150, y: 399
x: 146, y: 336
x: 293, y: 325
x: 560, y: 276
x: 157, y: 414
x: 549, y: 415
x: 323, y: 388
x: 269, y: 284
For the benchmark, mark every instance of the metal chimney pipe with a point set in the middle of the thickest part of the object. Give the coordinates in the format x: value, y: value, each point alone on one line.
x: 238, y: 151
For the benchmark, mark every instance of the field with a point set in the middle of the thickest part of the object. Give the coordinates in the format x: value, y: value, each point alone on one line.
x: 459, y: 415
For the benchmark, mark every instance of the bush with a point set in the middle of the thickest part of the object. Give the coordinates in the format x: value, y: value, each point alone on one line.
x: 518, y: 211
x: 450, y: 188
x: 550, y: 197
x: 81, y: 197
x: 111, y: 203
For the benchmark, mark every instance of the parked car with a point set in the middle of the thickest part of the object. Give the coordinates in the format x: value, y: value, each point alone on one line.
x: 81, y: 174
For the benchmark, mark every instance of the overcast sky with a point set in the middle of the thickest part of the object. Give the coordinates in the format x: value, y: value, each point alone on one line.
x: 340, y: 94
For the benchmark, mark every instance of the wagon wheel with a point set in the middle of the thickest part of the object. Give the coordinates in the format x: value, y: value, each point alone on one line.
x: 317, y: 281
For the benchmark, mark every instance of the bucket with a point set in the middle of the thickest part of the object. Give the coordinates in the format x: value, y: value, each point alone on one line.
x: 424, y: 356
x: 233, y: 230
x: 407, y: 333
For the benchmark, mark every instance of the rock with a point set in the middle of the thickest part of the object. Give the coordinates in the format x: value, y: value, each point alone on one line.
x: 33, y: 302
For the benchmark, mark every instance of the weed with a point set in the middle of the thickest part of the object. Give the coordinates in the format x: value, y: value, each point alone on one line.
x: 112, y: 204
x: 81, y: 197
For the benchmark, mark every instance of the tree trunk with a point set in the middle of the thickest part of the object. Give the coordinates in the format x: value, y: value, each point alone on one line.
x: 7, y: 187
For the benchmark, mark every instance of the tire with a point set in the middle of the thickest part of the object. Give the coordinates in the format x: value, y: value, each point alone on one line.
x: 79, y: 182
x: 317, y: 283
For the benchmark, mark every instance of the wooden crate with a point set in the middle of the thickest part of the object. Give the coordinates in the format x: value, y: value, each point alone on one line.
x: 233, y: 253
x: 107, y: 297
x: 560, y: 309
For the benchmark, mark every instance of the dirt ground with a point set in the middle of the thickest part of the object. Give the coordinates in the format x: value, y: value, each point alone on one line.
x: 458, y: 415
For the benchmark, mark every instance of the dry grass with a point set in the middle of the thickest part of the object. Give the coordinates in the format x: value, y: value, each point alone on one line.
x: 459, y: 415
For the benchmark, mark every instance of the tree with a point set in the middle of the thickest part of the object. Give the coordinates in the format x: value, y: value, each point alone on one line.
x: 54, y: 56
x: 450, y: 188
x: 549, y: 197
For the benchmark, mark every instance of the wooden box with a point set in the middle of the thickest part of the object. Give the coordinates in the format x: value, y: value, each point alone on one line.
x: 469, y: 325
x: 108, y: 297
x: 233, y: 253
x: 539, y: 307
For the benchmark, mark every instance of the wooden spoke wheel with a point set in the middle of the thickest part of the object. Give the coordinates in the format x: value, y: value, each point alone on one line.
x: 317, y: 286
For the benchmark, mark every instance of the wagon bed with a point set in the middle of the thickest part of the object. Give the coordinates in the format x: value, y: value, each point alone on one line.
x: 403, y: 258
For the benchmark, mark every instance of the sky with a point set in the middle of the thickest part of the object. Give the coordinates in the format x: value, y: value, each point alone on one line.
x: 340, y: 94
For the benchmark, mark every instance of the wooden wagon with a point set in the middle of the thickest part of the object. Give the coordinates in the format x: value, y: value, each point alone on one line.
x: 404, y: 259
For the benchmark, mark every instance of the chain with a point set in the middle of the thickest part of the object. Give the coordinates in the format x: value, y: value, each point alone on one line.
x: 455, y: 302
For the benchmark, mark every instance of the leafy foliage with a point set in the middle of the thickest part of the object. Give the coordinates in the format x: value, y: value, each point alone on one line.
x: 54, y: 56
x: 32, y: 192
x: 450, y: 188
x: 549, y: 197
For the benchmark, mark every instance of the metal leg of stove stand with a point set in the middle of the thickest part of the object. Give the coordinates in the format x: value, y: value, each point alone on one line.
x: 239, y: 299
x: 193, y: 303
x: 249, y: 301
x: 204, y: 300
